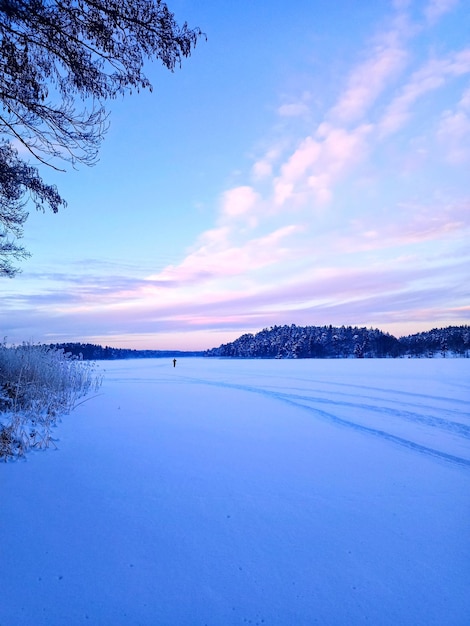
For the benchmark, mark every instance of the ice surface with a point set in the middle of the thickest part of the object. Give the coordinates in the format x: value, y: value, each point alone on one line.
x: 228, y: 492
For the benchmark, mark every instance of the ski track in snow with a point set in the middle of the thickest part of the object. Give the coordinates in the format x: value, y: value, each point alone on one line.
x: 309, y: 402
x: 376, y: 411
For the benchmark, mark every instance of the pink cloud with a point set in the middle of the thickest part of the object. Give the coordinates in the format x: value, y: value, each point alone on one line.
x: 370, y: 79
x: 363, y: 295
x: 412, y: 224
x: 304, y: 157
x: 263, y: 168
x: 217, y: 258
x: 240, y: 202
x: 295, y: 109
x: 429, y: 78
x: 317, y: 163
x: 437, y: 8
x: 464, y: 102
x: 454, y: 133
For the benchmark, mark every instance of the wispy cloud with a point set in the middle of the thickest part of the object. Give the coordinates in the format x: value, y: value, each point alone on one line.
x: 294, y: 109
x: 435, y: 9
x: 454, y: 131
x: 240, y: 202
x: 432, y: 76
x: 371, y: 78
x: 216, y: 257
x: 318, y: 162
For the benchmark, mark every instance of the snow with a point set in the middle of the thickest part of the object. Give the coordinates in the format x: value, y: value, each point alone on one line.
x: 228, y: 492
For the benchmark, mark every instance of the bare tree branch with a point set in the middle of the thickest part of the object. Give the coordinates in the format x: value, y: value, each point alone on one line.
x: 54, y: 53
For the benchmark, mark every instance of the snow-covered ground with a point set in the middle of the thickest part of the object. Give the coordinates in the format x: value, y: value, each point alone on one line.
x: 226, y: 492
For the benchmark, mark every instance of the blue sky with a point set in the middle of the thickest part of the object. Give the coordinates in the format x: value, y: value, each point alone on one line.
x: 309, y: 164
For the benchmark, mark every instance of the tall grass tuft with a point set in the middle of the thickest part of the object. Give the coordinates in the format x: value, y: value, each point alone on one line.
x: 38, y: 384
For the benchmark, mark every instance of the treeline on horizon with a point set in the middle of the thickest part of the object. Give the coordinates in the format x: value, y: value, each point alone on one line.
x: 326, y: 342
x: 93, y: 352
x: 305, y: 342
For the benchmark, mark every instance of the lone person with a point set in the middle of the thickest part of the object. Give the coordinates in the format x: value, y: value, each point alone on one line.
x: 174, y: 362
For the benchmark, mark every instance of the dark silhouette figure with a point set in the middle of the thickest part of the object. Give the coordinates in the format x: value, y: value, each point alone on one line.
x: 174, y: 362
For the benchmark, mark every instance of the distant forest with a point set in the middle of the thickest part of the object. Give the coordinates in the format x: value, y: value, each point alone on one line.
x: 306, y: 342
x: 330, y: 342
x: 92, y: 352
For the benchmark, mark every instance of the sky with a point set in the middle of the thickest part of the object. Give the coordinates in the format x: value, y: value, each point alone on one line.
x: 308, y: 164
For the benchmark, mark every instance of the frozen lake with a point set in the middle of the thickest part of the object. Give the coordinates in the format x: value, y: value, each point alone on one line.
x: 226, y: 492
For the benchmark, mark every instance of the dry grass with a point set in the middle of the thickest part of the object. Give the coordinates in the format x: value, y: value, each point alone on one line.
x: 38, y: 384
